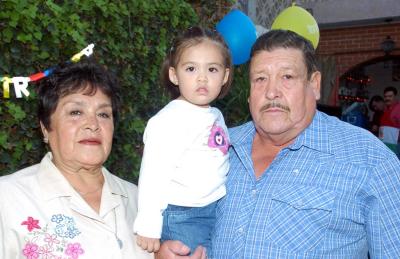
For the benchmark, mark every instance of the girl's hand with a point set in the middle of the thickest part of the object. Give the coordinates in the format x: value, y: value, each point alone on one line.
x: 148, y: 244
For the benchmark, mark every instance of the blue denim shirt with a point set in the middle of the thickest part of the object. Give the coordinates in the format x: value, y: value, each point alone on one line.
x: 333, y: 193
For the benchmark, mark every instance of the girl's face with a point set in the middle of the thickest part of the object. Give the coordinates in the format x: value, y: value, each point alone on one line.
x: 200, y: 73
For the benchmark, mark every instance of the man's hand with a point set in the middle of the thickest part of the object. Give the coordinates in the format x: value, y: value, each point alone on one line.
x: 148, y: 244
x: 172, y: 249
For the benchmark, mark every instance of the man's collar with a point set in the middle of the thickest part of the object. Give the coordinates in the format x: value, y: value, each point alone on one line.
x: 315, y: 136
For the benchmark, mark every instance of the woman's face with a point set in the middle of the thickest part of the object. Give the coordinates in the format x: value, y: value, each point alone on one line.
x: 81, y: 131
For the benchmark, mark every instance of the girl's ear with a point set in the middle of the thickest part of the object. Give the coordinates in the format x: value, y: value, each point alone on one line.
x: 172, y: 76
x: 226, y: 77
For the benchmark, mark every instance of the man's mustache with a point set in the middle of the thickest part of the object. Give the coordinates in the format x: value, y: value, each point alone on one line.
x: 274, y: 105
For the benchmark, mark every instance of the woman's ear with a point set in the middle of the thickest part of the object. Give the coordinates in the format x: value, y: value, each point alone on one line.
x: 45, y: 133
x: 172, y: 76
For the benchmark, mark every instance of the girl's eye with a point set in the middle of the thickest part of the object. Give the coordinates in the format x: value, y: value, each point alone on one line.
x: 190, y: 69
x: 213, y: 69
x: 75, y: 113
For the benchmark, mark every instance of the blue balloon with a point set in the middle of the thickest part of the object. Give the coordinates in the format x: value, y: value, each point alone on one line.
x: 239, y: 33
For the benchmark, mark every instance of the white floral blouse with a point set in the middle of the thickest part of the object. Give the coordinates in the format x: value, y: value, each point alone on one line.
x: 42, y: 216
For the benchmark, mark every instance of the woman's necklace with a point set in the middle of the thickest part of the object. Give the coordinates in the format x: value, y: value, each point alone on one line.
x: 86, y: 193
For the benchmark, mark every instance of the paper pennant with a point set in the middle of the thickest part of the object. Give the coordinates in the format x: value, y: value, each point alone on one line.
x: 21, y: 82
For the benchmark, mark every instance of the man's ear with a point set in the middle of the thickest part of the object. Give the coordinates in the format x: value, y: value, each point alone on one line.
x: 315, y: 83
x: 172, y: 76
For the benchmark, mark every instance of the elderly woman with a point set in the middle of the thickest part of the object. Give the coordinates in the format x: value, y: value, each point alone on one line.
x: 69, y: 205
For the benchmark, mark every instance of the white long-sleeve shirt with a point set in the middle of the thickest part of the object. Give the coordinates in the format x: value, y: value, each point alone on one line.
x: 42, y: 216
x: 185, y: 162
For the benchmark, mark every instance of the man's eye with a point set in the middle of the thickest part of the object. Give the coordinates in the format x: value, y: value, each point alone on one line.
x: 287, y: 76
x: 261, y: 79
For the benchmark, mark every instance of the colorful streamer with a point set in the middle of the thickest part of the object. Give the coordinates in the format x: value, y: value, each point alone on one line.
x: 21, y: 83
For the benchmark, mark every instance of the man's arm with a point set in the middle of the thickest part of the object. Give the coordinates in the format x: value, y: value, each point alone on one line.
x: 383, y: 210
x: 171, y: 249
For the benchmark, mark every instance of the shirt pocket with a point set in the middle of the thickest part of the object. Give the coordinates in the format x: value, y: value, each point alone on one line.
x: 299, y: 217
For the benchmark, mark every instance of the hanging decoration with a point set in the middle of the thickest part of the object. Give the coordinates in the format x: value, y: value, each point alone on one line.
x: 21, y: 82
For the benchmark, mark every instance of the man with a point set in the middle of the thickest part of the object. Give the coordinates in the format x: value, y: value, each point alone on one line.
x: 301, y: 184
x: 377, y: 105
x: 389, y: 130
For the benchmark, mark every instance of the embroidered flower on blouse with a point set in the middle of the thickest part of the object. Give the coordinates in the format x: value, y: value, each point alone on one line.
x: 46, y: 252
x: 52, y: 240
x: 218, y: 139
x: 31, y: 223
x: 57, y: 218
x: 74, y: 250
x: 31, y: 251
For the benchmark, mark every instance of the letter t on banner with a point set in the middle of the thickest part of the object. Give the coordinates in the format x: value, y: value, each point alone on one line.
x: 20, y: 85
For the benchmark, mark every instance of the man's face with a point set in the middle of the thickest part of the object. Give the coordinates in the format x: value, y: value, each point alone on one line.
x: 282, y: 100
x: 389, y: 98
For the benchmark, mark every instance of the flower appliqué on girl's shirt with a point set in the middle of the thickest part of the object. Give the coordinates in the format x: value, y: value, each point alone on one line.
x: 218, y: 139
x: 52, y: 241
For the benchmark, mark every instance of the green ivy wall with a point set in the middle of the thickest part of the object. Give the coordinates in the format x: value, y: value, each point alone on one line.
x: 130, y: 38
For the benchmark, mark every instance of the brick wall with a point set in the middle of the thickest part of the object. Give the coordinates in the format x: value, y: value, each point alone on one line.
x: 355, y: 45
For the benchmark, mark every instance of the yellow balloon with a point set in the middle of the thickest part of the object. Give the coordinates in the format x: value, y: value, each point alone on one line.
x: 300, y: 21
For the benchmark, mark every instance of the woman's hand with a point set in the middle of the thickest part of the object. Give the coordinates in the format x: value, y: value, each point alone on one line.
x: 172, y: 249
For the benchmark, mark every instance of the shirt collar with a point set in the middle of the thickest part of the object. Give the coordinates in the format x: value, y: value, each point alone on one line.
x: 315, y: 136
x: 54, y: 184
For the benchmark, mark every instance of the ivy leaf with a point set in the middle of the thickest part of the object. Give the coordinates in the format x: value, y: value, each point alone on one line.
x: 3, y: 139
x: 16, y: 111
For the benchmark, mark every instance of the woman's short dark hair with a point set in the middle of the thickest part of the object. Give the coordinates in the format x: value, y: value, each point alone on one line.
x: 287, y: 39
x: 375, y: 98
x: 86, y: 75
x: 192, y: 37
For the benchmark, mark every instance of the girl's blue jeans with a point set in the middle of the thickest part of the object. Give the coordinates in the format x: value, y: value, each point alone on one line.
x: 190, y: 225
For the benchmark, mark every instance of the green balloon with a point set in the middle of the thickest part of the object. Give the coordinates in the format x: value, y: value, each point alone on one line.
x: 300, y: 21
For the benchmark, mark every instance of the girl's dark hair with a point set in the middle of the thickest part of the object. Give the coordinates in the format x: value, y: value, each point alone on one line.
x: 71, y: 78
x: 192, y: 37
x: 287, y: 39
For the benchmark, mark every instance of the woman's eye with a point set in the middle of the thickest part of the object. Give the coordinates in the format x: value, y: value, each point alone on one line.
x: 104, y: 115
x: 190, y: 69
x: 213, y: 69
x: 75, y: 113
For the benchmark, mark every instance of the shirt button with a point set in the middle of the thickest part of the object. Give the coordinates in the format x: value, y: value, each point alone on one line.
x: 296, y: 171
x: 240, y: 230
x: 254, y: 193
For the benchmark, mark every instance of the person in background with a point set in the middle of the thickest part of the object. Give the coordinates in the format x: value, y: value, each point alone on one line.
x: 69, y: 205
x: 377, y: 105
x: 185, y: 158
x: 389, y: 131
x: 301, y: 184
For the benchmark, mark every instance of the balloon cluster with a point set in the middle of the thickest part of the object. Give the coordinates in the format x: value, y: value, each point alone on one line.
x: 240, y: 33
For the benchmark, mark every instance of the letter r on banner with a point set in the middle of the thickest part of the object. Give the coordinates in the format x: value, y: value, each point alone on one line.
x: 20, y: 86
